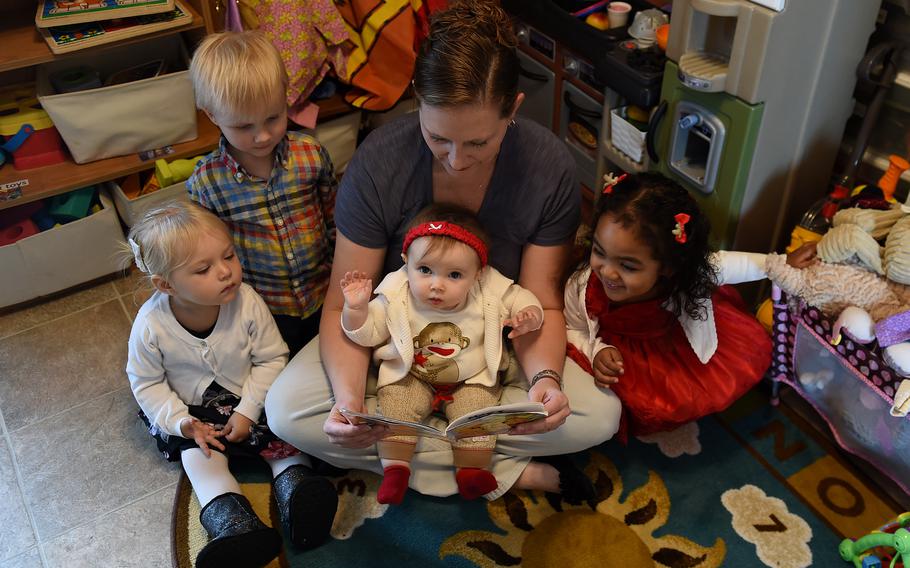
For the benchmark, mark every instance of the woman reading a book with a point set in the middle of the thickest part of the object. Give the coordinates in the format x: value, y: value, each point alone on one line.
x: 437, y: 321
x: 466, y: 146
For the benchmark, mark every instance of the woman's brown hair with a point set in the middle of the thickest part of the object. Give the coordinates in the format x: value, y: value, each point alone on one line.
x: 468, y: 58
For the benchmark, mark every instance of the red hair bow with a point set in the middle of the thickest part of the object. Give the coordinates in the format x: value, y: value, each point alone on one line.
x: 610, y: 182
x: 680, y: 231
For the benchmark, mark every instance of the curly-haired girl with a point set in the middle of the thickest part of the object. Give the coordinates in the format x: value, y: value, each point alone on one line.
x: 651, y: 317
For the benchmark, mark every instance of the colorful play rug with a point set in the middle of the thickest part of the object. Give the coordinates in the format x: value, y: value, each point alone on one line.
x: 750, y: 487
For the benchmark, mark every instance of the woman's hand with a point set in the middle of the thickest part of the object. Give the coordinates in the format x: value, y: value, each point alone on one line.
x: 347, y: 435
x: 526, y: 320
x: 204, y: 434
x: 555, y: 402
x: 237, y: 428
x: 804, y: 256
x: 608, y: 366
x: 357, y: 289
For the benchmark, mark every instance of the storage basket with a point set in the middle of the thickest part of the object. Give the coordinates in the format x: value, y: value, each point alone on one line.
x: 126, y: 118
x: 625, y: 136
x: 131, y: 210
x: 62, y: 257
x: 849, y: 385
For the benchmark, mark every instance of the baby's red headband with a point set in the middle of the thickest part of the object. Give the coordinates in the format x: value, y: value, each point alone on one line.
x: 446, y: 229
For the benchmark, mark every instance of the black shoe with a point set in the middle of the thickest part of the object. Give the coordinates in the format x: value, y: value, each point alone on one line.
x: 307, y: 505
x: 574, y: 486
x: 238, y: 537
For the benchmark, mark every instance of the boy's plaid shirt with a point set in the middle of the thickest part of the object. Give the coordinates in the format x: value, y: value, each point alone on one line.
x: 283, y: 227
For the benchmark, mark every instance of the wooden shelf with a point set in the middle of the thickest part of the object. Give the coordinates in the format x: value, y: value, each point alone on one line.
x: 333, y: 107
x: 21, y: 45
x: 65, y: 176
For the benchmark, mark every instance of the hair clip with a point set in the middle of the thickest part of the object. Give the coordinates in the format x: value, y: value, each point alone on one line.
x: 610, y: 180
x: 680, y: 230
x: 137, y: 256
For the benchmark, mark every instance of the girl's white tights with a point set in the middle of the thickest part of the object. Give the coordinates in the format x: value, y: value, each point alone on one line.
x: 211, y: 477
x: 282, y: 464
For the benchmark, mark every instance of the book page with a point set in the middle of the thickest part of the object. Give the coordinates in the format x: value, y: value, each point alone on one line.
x: 396, y: 427
x: 495, y: 419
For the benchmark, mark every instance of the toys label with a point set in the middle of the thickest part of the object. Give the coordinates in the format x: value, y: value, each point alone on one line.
x: 12, y: 190
x: 147, y: 155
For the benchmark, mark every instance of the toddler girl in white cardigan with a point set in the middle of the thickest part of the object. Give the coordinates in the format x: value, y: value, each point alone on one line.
x: 203, y: 352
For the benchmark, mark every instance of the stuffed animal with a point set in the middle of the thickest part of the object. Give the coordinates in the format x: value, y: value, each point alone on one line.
x: 863, y: 285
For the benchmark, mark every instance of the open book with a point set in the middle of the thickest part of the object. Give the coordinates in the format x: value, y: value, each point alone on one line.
x: 483, y: 422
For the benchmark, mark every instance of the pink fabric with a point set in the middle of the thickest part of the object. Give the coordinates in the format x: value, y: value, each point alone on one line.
x: 304, y: 113
x: 310, y: 36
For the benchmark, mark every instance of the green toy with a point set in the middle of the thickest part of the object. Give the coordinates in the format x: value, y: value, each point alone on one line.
x: 169, y: 173
x: 871, y: 550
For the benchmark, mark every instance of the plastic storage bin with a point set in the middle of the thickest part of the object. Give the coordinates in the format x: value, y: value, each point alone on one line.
x: 123, y: 118
x: 625, y: 136
x: 849, y: 385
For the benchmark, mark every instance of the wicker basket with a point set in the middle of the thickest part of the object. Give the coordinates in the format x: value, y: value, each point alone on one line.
x: 625, y: 136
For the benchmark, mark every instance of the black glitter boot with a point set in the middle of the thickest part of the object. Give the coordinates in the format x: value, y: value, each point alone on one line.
x: 307, y: 504
x: 238, y: 537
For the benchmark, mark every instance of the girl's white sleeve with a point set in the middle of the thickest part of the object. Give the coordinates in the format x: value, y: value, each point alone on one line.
x: 734, y: 267
x: 374, y: 330
x: 517, y: 298
x: 148, y: 381
x: 268, y: 355
x: 580, y: 332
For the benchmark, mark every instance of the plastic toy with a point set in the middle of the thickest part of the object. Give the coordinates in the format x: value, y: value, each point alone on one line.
x: 73, y: 205
x: 43, y: 219
x: 872, y: 550
x: 81, y: 78
x: 169, y: 173
x: 21, y: 230
x: 598, y: 20
x: 888, y: 182
x: 27, y: 133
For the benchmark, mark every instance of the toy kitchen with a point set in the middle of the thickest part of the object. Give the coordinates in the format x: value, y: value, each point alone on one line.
x: 744, y: 102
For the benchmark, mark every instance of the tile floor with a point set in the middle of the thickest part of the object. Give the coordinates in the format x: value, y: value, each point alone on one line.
x: 80, y: 486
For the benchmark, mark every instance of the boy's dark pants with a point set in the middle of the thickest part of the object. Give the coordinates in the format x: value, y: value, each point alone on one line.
x: 296, y: 331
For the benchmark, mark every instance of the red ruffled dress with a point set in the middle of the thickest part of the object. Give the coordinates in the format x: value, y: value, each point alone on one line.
x: 665, y: 385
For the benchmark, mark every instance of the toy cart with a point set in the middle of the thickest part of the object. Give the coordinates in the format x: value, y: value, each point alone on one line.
x: 849, y: 385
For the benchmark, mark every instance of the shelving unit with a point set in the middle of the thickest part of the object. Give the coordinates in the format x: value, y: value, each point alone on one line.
x: 65, y: 176
x: 18, y: 187
x: 22, y: 48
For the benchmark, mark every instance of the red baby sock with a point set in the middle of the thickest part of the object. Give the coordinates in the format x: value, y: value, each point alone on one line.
x: 474, y: 482
x: 394, y: 484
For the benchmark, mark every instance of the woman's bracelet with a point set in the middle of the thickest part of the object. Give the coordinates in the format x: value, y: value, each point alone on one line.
x: 545, y: 374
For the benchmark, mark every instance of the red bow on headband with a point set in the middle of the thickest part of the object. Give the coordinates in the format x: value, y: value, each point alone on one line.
x: 680, y: 230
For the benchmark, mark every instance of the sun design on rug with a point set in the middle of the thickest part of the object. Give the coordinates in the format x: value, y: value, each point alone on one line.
x: 541, y: 531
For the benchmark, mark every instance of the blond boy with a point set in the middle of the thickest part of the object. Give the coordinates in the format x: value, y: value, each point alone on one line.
x: 275, y: 189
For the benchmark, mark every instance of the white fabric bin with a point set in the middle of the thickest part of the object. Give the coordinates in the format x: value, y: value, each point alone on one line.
x: 126, y: 118
x: 62, y: 257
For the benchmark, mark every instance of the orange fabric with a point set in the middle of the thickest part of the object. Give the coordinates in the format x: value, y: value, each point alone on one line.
x: 382, y: 63
x: 385, y: 33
